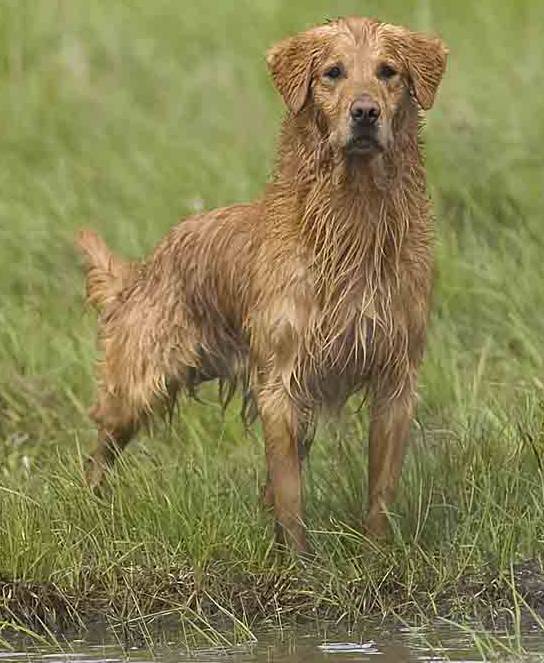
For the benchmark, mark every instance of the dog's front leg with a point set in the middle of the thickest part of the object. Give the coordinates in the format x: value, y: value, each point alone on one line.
x: 280, y: 426
x: 389, y: 430
x: 304, y: 443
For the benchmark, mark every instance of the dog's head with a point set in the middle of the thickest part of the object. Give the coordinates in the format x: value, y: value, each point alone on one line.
x: 358, y: 75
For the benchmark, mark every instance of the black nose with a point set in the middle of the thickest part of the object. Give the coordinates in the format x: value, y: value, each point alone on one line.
x: 365, y: 111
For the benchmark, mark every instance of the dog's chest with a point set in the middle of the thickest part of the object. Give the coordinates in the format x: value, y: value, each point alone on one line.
x: 346, y: 334
x: 340, y: 350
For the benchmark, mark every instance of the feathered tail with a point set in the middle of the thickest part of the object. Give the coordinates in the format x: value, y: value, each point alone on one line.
x: 106, y: 273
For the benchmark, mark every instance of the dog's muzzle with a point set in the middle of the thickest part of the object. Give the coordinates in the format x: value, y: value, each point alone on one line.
x: 364, y: 126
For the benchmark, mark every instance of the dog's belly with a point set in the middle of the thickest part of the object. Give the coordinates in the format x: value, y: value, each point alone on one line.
x: 224, y: 360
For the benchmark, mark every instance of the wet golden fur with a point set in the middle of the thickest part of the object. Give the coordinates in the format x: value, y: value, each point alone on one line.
x: 317, y: 290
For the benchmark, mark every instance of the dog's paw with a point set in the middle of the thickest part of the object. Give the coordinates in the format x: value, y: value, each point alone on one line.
x: 377, y: 527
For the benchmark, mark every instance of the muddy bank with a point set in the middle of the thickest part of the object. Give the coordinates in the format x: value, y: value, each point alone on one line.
x: 139, y: 596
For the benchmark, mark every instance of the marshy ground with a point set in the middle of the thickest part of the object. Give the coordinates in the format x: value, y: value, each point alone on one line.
x: 127, y: 117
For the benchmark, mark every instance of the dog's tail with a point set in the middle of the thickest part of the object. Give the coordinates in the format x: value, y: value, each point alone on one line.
x: 106, y: 273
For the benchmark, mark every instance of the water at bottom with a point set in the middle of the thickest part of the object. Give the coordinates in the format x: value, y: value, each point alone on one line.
x: 330, y: 645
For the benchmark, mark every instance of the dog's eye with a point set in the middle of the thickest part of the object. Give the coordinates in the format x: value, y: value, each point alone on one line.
x: 386, y: 72
x: 333, y: 72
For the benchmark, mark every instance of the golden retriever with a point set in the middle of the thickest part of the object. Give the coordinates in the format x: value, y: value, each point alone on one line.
x: 315, y: 291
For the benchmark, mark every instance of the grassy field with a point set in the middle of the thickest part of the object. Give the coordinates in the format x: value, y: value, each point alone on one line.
x: 126, y: 116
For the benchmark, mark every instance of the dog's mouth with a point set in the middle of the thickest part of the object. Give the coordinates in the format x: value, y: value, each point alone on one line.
x: 364, y: 143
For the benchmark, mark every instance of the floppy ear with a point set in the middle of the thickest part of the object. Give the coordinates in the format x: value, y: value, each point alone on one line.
x: 425, y: 60
x: 291, y: 63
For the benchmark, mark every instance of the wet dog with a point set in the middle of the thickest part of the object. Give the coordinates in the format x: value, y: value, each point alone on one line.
x: 315, y: 291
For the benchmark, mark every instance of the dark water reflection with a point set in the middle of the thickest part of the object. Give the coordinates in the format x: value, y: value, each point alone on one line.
x: 394, y: 646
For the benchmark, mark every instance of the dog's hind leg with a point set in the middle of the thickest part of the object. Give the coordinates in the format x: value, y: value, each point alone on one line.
x: 116, y: 427
x: 120, y: 412
x: 137, y: 379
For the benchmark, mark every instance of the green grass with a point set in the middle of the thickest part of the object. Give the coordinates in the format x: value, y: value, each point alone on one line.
x: 126, y: 116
